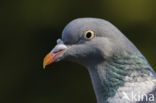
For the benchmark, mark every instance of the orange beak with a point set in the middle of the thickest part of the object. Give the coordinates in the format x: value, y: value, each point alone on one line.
x: 48, y: 59
x: 54, y: 55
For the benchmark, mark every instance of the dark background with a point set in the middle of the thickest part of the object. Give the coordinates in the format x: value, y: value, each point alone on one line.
x: 29, y: 30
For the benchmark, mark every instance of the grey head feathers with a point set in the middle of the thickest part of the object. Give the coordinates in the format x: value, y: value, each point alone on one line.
x: 108, y: 40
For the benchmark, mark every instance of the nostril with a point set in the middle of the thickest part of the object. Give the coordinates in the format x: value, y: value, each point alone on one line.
x: 59, y: 48
x: 58, y: 51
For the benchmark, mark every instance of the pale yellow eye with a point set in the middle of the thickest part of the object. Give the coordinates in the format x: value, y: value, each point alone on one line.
x: 89, y: 34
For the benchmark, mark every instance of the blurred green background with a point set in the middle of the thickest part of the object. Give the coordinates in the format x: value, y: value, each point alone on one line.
x: 29, y: 30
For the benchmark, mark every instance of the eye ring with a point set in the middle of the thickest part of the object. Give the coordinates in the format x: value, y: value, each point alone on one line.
x: 89, y: 34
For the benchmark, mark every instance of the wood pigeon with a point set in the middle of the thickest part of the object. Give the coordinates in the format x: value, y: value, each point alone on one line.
x: 119, y: 72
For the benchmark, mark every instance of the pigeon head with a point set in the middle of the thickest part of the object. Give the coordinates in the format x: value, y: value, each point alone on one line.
x: 113, y: 62
x: 88, y: 41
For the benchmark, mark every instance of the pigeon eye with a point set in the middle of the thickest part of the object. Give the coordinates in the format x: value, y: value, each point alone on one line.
x: 89, y: 34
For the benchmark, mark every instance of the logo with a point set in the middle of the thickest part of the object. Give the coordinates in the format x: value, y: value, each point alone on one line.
x: 136, y: 97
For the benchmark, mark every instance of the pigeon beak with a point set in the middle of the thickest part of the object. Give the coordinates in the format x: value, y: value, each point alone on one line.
x: 54, y: 55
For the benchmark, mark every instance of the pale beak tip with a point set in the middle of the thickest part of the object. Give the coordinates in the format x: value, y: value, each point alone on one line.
x: 44, y: 63
x: 44, y: 66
